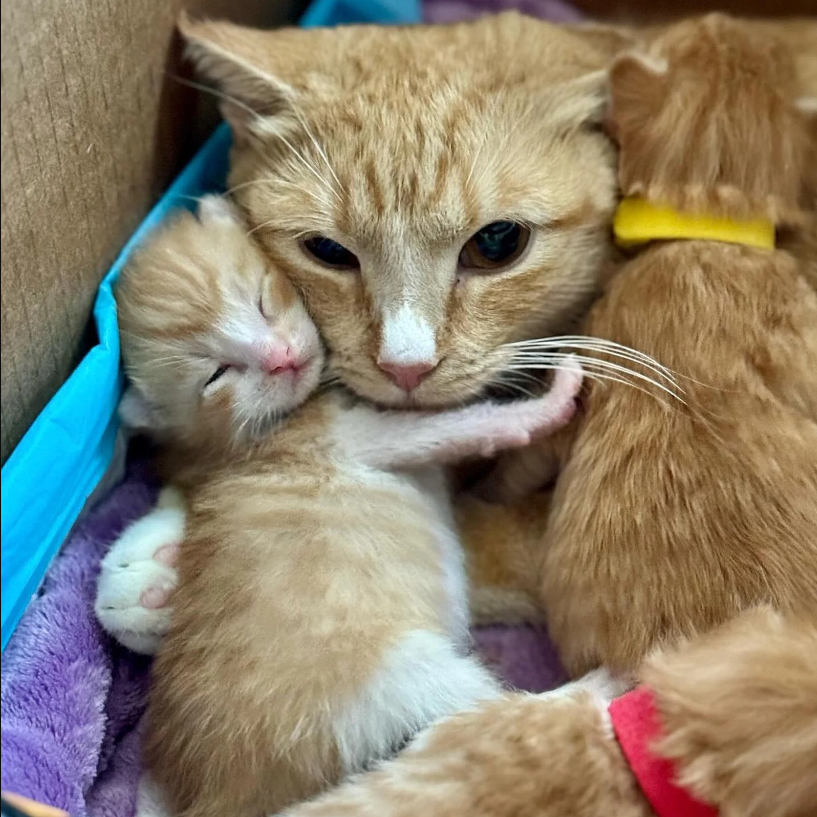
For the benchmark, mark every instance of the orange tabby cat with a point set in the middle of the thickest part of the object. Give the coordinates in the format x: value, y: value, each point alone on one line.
x: 670, y: 518
x: 433, y: 192
x: 424, y: 249
x: 739, y: 714
x: 320, y: 617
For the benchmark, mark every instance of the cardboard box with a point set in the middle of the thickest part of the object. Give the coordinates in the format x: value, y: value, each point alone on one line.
x: 93, y: 129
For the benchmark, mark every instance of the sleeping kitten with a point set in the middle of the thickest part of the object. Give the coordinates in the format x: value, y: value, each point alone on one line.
x: 704, y: 508
x: 320, y: 617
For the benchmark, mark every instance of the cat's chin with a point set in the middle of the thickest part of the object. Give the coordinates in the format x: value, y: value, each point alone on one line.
x: 426, y: 397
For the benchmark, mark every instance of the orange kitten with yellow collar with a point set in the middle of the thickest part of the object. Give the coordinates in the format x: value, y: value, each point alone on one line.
x: 320, y: 618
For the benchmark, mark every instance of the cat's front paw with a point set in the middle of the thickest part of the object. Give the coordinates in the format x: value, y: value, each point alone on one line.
x: 138, y: 575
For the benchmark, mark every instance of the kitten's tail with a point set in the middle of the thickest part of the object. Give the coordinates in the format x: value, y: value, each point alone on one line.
x: 739, y: 709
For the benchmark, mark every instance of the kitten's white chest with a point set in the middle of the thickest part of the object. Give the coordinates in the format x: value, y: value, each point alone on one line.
x: 430, y: 482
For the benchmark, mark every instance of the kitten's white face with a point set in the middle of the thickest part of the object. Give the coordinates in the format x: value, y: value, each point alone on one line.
x: 216, y: 341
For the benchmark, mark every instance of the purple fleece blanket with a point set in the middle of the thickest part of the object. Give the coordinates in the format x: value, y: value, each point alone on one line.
x: 72, y: 700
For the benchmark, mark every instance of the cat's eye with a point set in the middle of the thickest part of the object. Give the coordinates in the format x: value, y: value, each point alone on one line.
x: 217, y: 375
x: 330, y: 253
x: 496, y: 246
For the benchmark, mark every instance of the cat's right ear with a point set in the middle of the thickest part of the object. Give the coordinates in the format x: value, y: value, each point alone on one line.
x: 236, y: 59
x: 137, y: 413
x: 637, y: 81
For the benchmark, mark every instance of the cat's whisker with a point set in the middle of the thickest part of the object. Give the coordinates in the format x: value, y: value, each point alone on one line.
x: 613, y: 348
x: 509, y: 384
x: 536, y: 362
x: 252, y: 183
x: 608, y: 378
x: 591, y: 364
x: 589, y: 343
x: 320, y: 150
x: 207, y: 89
x: 259, y: 116
x: 622, y: 356
x: 309, y: 166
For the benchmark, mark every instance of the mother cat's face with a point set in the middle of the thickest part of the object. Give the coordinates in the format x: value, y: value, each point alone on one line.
x: 435, y: 193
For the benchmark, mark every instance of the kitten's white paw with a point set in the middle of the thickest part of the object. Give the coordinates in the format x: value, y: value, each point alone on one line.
x: 138, y: 574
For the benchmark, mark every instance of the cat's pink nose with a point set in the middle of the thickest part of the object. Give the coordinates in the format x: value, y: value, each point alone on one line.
x: 280, y: 359
x: 407, y: 375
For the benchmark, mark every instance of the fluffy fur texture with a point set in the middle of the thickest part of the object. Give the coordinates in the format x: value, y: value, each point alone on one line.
x: 318, y: 151
x: 138, y: 574
x: 320, y: 618
x: 702, y: 508
x: 498, y: 120
x: 739, y: 708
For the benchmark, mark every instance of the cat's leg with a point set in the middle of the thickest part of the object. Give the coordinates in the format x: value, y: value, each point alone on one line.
x: 519, y: 754
x: 392, y: 439
x: 422, y: 678
x: 138, y: 574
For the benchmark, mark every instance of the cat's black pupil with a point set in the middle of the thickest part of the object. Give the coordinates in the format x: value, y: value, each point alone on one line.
x: 498, y: 240
x: 330, y: 252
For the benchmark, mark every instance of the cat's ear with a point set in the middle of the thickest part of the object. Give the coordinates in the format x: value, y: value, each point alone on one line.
x: 580, y: 101
x: 238, y: 60
x: 137, y: 413
x: 637, y: 85
x: 218, y: 210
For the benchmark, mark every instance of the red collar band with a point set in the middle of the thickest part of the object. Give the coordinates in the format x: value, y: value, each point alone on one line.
x: 637, y: 726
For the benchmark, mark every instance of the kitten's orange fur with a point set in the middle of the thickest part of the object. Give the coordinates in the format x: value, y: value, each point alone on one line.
x: 739, y: 710
x: 668, y: 518
x: 320, y: 617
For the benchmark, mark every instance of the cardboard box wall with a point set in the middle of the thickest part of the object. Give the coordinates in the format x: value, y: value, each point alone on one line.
x: 93, y: 129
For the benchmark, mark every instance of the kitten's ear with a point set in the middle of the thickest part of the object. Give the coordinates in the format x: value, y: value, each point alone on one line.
x: 238, y: 60
x: 137, y: 413
x: 637, y: 85
x: 218, y: 210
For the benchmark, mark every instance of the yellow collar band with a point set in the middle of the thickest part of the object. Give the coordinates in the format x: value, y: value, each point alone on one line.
x: 637, y: 221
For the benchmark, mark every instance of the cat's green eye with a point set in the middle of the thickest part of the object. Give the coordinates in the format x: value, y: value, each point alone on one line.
x: 496, y: 246
x: 330, y: 253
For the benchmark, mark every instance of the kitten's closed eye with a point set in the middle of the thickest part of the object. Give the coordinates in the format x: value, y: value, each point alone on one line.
x: 495, y: 246
x: 217, y: 375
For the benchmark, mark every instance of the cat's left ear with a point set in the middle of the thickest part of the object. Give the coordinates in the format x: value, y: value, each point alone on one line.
x: 137, y: 413
x: 242, y: 63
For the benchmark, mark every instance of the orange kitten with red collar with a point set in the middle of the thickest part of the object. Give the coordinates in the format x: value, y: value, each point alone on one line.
x: 320, y: 618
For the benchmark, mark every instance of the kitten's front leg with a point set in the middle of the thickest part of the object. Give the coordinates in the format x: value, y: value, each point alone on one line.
x: 406, y: 439
x: 138, y: 575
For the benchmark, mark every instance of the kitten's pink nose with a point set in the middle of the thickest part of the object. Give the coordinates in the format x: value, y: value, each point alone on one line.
x: 280, y: 359
x: 407, y: 375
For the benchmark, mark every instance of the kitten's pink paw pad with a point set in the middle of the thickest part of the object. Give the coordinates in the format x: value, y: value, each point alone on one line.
x: 154, y: 598
x: 167, y: 554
